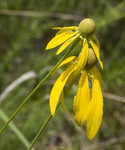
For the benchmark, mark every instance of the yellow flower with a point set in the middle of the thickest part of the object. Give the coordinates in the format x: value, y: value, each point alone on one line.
x: 66, y: 35
x: 88, y: 102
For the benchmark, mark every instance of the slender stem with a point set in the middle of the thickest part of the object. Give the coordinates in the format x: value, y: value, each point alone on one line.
x: 13, y: 127
x: 43, y: 126
x: 35, y: 89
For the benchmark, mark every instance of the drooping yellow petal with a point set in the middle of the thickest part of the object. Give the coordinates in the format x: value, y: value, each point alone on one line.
x: 58, y: 88
x: 64, y: 62
x: 59, y: 39
x: 82, y: 100
x: 83, y: 56
x: 65, y: 28
x: 79, y: 64
x: 73, y: 78
x: 96, y: 106
x: 66, y: 44
x: 97, y: 53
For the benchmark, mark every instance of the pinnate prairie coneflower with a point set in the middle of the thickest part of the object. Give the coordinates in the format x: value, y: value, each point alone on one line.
x: 88, y: 101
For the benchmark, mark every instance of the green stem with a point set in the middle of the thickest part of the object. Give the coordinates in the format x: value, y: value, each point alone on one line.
x: 42, y: 127
x: 40, y: 131
x: 15, y: 129
x: 35, y: 89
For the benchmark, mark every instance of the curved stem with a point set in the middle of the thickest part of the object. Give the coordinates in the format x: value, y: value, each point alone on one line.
x: 35, y: 89
x: 13, y: 127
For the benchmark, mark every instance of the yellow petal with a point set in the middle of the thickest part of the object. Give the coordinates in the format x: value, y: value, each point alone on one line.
x: 82, y: 100
x: 73, y: 78
x: 59, y: 39
x: 97, y: 53
x: 64, y: 62
x: 83, y: 56
x: 58, y: 88
x: 66, y: 44
x: 96, y: 106
x: 65, y: 28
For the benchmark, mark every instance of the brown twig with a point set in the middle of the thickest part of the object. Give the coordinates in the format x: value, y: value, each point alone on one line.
x: 106, y: 143
x: 36, y: 14
x: 114, y: 97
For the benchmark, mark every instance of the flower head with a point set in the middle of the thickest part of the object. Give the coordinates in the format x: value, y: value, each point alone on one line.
x: 88, y: 101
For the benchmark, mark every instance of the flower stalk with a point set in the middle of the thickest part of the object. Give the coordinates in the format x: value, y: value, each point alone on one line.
x: 42, y: 128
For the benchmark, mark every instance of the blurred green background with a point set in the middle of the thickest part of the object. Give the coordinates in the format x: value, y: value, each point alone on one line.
x: 25, y: 29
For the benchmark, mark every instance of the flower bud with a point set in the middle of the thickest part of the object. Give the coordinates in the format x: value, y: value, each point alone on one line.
x: 87, y: 26
x: 92, y: 60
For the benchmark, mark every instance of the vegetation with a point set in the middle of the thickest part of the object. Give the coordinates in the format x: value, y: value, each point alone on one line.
x: 23, y: 37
